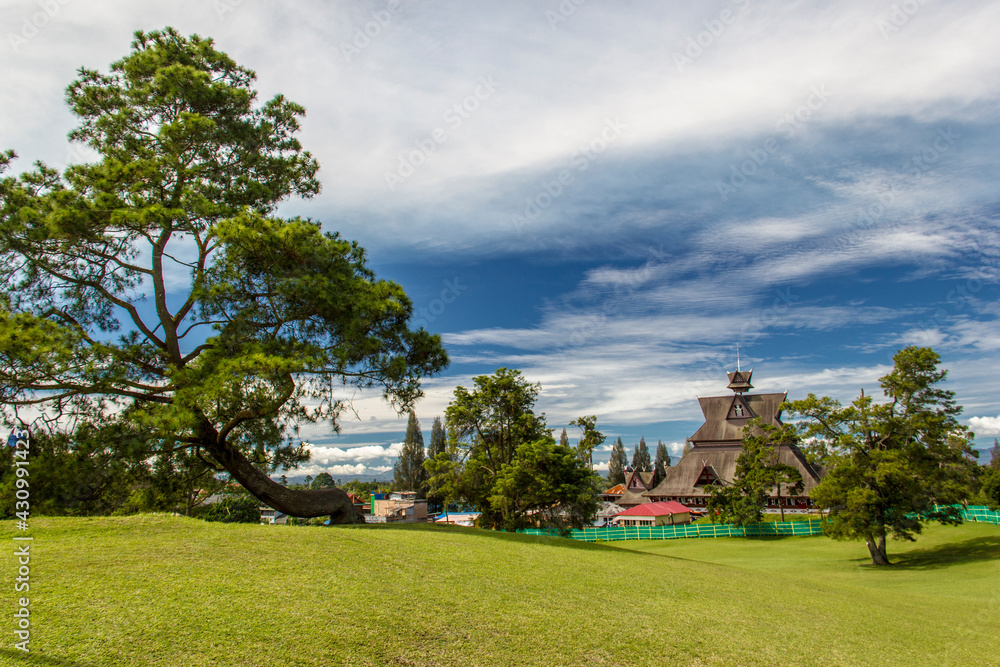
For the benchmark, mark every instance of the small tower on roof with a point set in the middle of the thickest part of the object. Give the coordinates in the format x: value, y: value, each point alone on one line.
x: 739, y: 380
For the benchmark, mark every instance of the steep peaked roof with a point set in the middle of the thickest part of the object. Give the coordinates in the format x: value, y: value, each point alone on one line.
x: 703, y: 465
x: 656, y: 509
x: 617, y: 490
x: 723, y: 426
x: 636, y: 483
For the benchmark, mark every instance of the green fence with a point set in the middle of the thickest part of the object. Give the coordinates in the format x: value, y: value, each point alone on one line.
x: 620, y: 533
x: 981, y: 514
x: 795, y: 528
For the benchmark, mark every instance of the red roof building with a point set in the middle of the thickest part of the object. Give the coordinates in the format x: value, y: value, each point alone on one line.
x: 663, y: 513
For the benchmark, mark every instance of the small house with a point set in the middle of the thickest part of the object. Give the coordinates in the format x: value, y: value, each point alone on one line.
x: 665, y: 513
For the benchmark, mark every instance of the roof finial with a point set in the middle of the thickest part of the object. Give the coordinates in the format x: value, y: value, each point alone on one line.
x: 738, y: 356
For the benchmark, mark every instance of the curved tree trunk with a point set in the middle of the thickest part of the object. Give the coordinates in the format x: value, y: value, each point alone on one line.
x: 876, y: 547
x: 300, y: 503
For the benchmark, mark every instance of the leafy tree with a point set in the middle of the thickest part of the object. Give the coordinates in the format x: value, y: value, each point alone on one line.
x: 893, y: 465
x: 545, y: 484
x: 409, y: 468
x: 233, y: 508
x: 253, y: 321
x: 995, y: 454
x: 93, y: 470
x: 324, y: 480
x: 564, y: 438
x: 437, y: 455
x: 617, y: 463
x: 990, y: 486
x: 590, y: 439
x: 640, y: 457
x: 438, y: 442
x: 758, y: 472
x: 661, y: 463
x: 486, y: 427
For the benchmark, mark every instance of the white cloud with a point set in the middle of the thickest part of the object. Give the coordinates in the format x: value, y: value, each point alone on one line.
x: 333, y: 455
x: 985, y: 425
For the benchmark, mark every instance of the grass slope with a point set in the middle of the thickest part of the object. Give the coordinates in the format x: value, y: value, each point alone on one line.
x: 152, y: 590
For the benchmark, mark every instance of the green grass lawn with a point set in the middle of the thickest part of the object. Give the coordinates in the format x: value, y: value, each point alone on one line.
x: 151, y: 590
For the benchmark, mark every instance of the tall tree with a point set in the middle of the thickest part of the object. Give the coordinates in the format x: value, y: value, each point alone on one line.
x: 324, y: 480
x: 617, y: 463
x: 661, y: 463
x: 590, y: 438
x: 546, y: 484
x: 759, y: 472
x: 892, y: 465
x: 564, y: 438
x: 995, y: 454
x: 641, y: 462
x: 409, y: 467
x: 157, y: 284
x: 438, y: 443
x: 486, y: 426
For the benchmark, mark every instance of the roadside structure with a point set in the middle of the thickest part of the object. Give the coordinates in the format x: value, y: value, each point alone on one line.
x: 717, y: 444
x: 399, y: 506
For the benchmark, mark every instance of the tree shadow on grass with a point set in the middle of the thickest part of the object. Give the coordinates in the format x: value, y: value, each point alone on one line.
x: 973, y: 550
x: 21, y: 658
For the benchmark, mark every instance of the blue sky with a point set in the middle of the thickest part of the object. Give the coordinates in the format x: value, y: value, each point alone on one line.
x: 609, y: 197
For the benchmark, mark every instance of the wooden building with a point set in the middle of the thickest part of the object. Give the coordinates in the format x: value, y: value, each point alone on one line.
x: 717, y: 444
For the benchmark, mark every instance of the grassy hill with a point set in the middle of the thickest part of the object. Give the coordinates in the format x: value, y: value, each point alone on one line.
x: 151, y: 590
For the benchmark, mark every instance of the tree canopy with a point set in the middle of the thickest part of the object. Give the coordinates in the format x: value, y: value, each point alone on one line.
x: 410, y: 474
x: 892, y: 465
x: 641, y: 462
x: 758, y: 473
x: 590, y: 438
x: 498, y: 446
x: 617, y: 463
x: 156, y: 287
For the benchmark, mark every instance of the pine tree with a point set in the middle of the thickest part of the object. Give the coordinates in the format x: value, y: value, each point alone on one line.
x: 995, y: 454
x: 564, y: 439
x: 616, y: 466
x: 640, y: 457
x: 409, y: 469
x: 661, y: 464
x: 438, y: 443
